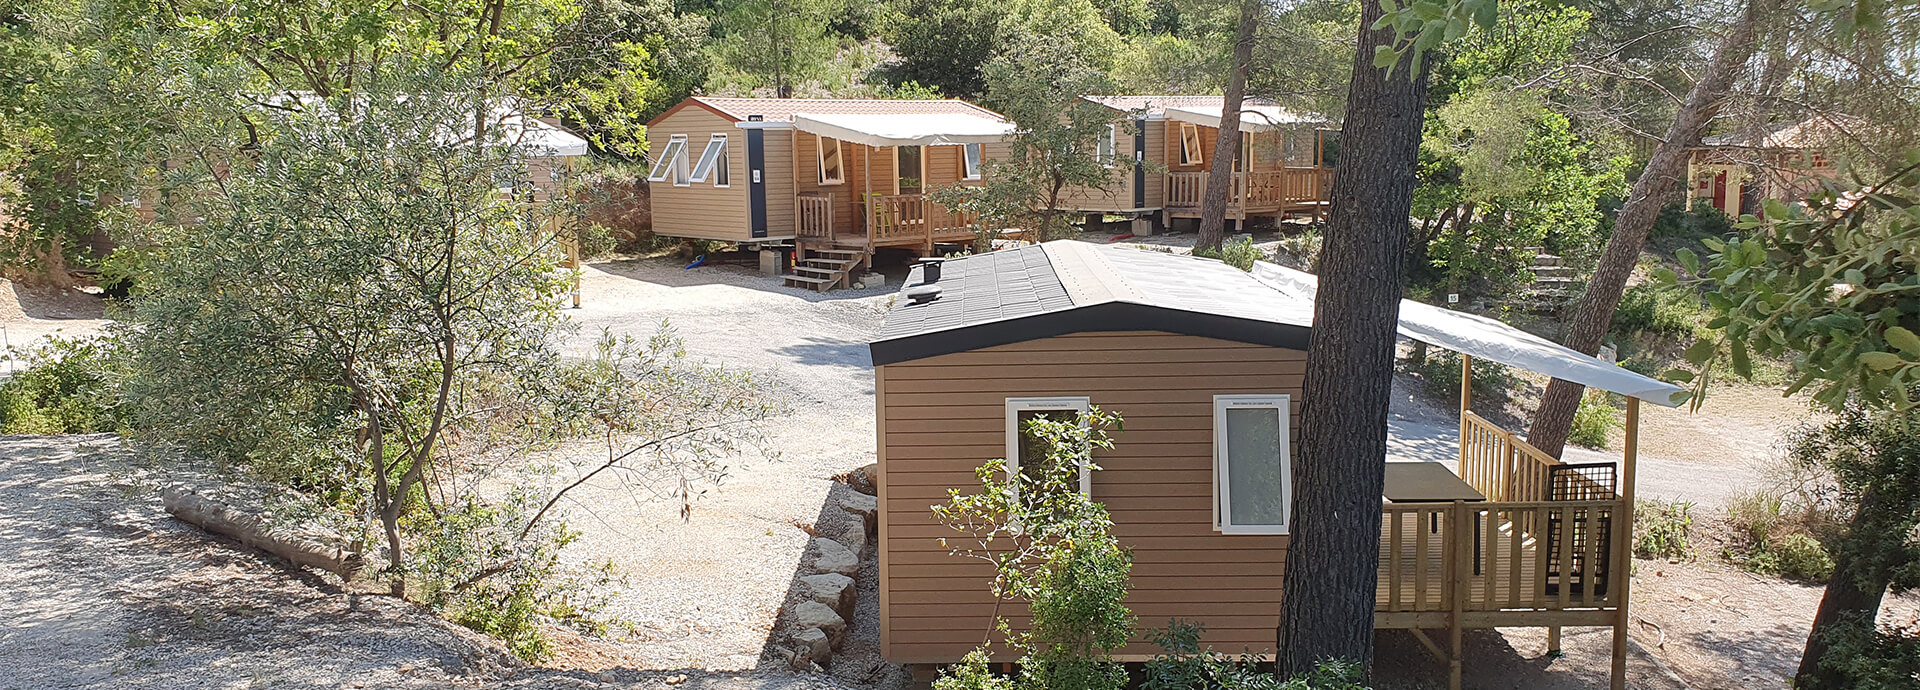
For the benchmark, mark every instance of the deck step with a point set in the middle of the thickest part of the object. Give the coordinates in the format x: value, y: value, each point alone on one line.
x: 837, y: 264
x: 819, y: 284
x: 828, y: 272
x: 841, y: 252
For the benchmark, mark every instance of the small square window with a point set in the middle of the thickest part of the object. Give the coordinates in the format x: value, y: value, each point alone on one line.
x: 1024, y: 453
x: 970, y: 162
x: 1105, y: 147
x: 1252, y: 464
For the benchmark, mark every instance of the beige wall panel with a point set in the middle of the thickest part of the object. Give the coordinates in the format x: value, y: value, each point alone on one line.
x: 701, y: 210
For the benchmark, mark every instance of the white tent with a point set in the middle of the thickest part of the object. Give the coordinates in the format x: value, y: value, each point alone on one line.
x: 542, y: 138
x: 906, y: 129
x: 1485, y: 338
x: 1253, y: 118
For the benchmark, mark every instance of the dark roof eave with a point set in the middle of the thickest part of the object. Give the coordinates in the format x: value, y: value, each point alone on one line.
x: 1107, y: 316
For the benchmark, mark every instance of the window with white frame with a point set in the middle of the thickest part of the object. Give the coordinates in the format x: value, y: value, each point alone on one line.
x: 1104, y: 148
x: 671, y: 164
x: 1252, y: 464
x: 831, y: 171
x: 1190, y: 144
x: 713, y: 162
x: 1026, y: 455
x: 970, y: 162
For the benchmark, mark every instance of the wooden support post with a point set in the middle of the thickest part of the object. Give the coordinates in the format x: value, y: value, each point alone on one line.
x: 1466, y: 405
x: 866, y: 165
x: 1620, y: 575
x: 1457, y: 577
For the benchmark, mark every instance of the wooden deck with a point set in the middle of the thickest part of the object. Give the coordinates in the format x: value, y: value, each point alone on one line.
x: 1257, y: 193
x: 1496, y: 564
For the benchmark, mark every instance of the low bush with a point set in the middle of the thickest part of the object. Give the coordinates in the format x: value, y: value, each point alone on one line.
x: 1593, y: 421
x: 1663, y: 530
x: 1773, y: 536
x: 1874, y: 657
x: 1440, y: 373
x: 1659, y: 310
x: 1184, y: 665
x: 1240, y: 254
x: 1700, y: 220
x: 66, y: 388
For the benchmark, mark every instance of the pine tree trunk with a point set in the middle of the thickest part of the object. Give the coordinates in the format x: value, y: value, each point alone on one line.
x: 1213, y: 206
x: 1850, y: 597
x: 1651, y: 192
x: 1333, y: 554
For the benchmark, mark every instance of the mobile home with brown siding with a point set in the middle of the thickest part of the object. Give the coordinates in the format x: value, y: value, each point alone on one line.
x: 1206, y: 364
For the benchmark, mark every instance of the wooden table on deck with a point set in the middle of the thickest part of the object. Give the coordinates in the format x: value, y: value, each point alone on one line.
x: 1432, y: 482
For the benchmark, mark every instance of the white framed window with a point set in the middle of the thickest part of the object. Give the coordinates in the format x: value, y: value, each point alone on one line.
x: 1105, y: 147
x: 1252, y: 464
x: 713, y: 162
x: 1190, y: 144
x: 909, y: 170
x: 1023, y: 450
x: 831, y: 171
x: 671, y: 164
x: 970, y: 155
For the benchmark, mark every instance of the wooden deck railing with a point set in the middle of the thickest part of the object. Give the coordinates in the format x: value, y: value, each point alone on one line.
x: 1261, y: 190
x: 1499, y: 464
x: 814, y: 215
x: 1474, y: 557
x: 906, y: 218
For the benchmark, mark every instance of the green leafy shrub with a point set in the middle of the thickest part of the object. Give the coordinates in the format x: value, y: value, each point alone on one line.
x: 1440, y: 373
x: 1184, y: 665
x: 1872, y: 657
x: 1659, y: 310
x: 1772, y: 537
x: 65, y: 389
x: 1240, y: 255
x: 1699, y: 220
x: 1593, y: 420
x: 1662, y: 530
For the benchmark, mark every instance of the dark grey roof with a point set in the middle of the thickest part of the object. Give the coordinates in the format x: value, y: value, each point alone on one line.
x: 1067, y: 286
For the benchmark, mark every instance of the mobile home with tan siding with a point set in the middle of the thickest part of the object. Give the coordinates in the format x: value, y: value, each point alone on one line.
x: 835, y: 179
x: 1282, y: 167
x: 1206, y: 364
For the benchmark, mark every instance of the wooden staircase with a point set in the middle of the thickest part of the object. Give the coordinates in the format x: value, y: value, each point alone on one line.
x: 826, y: 269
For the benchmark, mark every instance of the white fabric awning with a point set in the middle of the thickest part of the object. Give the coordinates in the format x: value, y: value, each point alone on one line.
x: 1253, y: 118
x: 1492, y: 340
x: 543, y: 139
x: 916, y: 129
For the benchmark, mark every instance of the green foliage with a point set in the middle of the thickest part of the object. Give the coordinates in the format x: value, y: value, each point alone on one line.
x: 1660, y: 310
x: 474, y: 567
x: 617, y: 64
x: 1038, y: 84
x: 1872, y: 657
x: 1593, y: 421
x: 775, y: 43
x: 1052, y: 547
x: 67, y: 387
x: 949, y: 44
x: 1440, y: 373
x: 1772, y: 537
x: 1423, y: 25
x: 1184, y: 665
x: 1832, y: 285
x: 1500, y: 170
x: 1240, y: 255
x: 1700, y: 221
x: 1663, y: 530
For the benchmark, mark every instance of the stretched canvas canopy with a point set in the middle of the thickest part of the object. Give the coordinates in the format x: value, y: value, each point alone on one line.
x: 1488, y: 339
x: 1253, y: 118
x: 905, y: 129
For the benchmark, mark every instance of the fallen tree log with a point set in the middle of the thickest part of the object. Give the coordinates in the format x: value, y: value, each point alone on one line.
x: 254, y: 533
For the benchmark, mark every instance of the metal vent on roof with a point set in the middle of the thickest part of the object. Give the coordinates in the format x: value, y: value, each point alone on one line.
x: 923, y: 293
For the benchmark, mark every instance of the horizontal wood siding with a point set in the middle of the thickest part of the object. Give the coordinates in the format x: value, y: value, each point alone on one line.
x: 942, y: 416
x: 1156, y: 153
x: 701, y: 210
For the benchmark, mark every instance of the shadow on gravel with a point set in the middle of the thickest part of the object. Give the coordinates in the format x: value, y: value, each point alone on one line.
x: 817, y: 351
x: 672, y: 273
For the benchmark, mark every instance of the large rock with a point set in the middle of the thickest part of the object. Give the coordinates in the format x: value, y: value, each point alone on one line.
x: 864, y: 506
x: 830, y: 557
x: 813, y: 614
x: 862, y: 479
x: 815, y: 646
x: 833, y: 589
x: 854, y: 537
